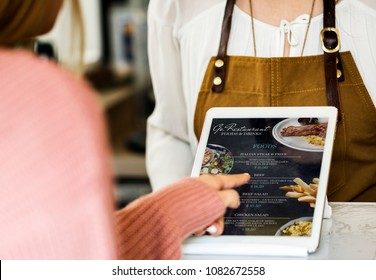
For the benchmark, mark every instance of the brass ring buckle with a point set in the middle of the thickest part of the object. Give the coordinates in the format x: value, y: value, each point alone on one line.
x: 330, y: 29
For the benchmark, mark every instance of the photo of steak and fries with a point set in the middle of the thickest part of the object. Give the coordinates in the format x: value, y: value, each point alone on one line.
x: 302, y: 191
x: 313, y: 133
x: 305, y: 134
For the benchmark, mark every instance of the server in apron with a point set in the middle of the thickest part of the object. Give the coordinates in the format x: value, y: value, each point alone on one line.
x: 329, y: 79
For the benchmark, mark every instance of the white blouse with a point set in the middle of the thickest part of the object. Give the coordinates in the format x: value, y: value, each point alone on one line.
x: 184, y: 35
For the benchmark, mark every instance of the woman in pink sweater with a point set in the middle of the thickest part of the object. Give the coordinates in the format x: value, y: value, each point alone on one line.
x: 56, y: 199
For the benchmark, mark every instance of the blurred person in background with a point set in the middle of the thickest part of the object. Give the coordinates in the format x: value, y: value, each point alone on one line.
x: 231, y: 53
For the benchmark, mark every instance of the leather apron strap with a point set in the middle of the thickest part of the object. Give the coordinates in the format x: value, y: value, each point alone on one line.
x: 330, y: 44
x: 221, y: 61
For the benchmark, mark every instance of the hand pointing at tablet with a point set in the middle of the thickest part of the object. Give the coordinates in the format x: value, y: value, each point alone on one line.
x: 159, y: 222
x: 224, y: 184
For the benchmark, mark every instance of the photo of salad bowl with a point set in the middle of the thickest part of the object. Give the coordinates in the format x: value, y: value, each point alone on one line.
x: 217, y: 160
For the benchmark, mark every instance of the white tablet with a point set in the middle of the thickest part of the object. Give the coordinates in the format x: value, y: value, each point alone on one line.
x: 287, y: 151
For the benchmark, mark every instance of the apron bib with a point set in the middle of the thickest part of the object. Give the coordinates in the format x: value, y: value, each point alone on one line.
x: 302, y: 81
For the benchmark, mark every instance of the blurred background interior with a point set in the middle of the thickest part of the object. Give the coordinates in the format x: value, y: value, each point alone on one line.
x: 115, y: 63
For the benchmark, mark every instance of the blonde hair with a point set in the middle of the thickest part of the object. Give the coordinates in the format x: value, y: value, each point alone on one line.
x: 23, y: 20
x: 78, y: 32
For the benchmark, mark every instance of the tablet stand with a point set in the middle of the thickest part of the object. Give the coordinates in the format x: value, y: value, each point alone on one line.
x: 327, y: 209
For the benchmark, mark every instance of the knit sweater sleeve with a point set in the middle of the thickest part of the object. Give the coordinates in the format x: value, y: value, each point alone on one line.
x: 154, y: 226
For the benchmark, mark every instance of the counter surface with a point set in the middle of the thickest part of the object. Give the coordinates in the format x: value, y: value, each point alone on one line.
x: 349, y: 234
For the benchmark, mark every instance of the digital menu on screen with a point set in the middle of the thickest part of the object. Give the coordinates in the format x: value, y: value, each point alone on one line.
x: 283, y: 156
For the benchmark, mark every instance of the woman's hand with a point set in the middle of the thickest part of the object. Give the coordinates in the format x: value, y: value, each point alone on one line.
x: 224, y: 184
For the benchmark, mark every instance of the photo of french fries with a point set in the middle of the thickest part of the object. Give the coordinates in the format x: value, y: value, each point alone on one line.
x: 302, y: 191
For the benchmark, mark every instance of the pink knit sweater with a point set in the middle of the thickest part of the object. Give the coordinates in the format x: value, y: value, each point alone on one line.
x: 153, y: 227
x: 55, y: 182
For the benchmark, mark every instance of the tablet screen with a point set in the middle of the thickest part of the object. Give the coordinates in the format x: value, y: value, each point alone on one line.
x: 284, y: 158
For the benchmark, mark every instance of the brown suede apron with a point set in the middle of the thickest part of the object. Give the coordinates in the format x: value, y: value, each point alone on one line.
x: 239, y: 81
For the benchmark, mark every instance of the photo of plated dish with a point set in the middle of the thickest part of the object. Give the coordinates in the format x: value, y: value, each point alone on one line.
x: 305, y: 134
x: 298, y: 227
x: 302, y: 191
x: 217, y: 160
